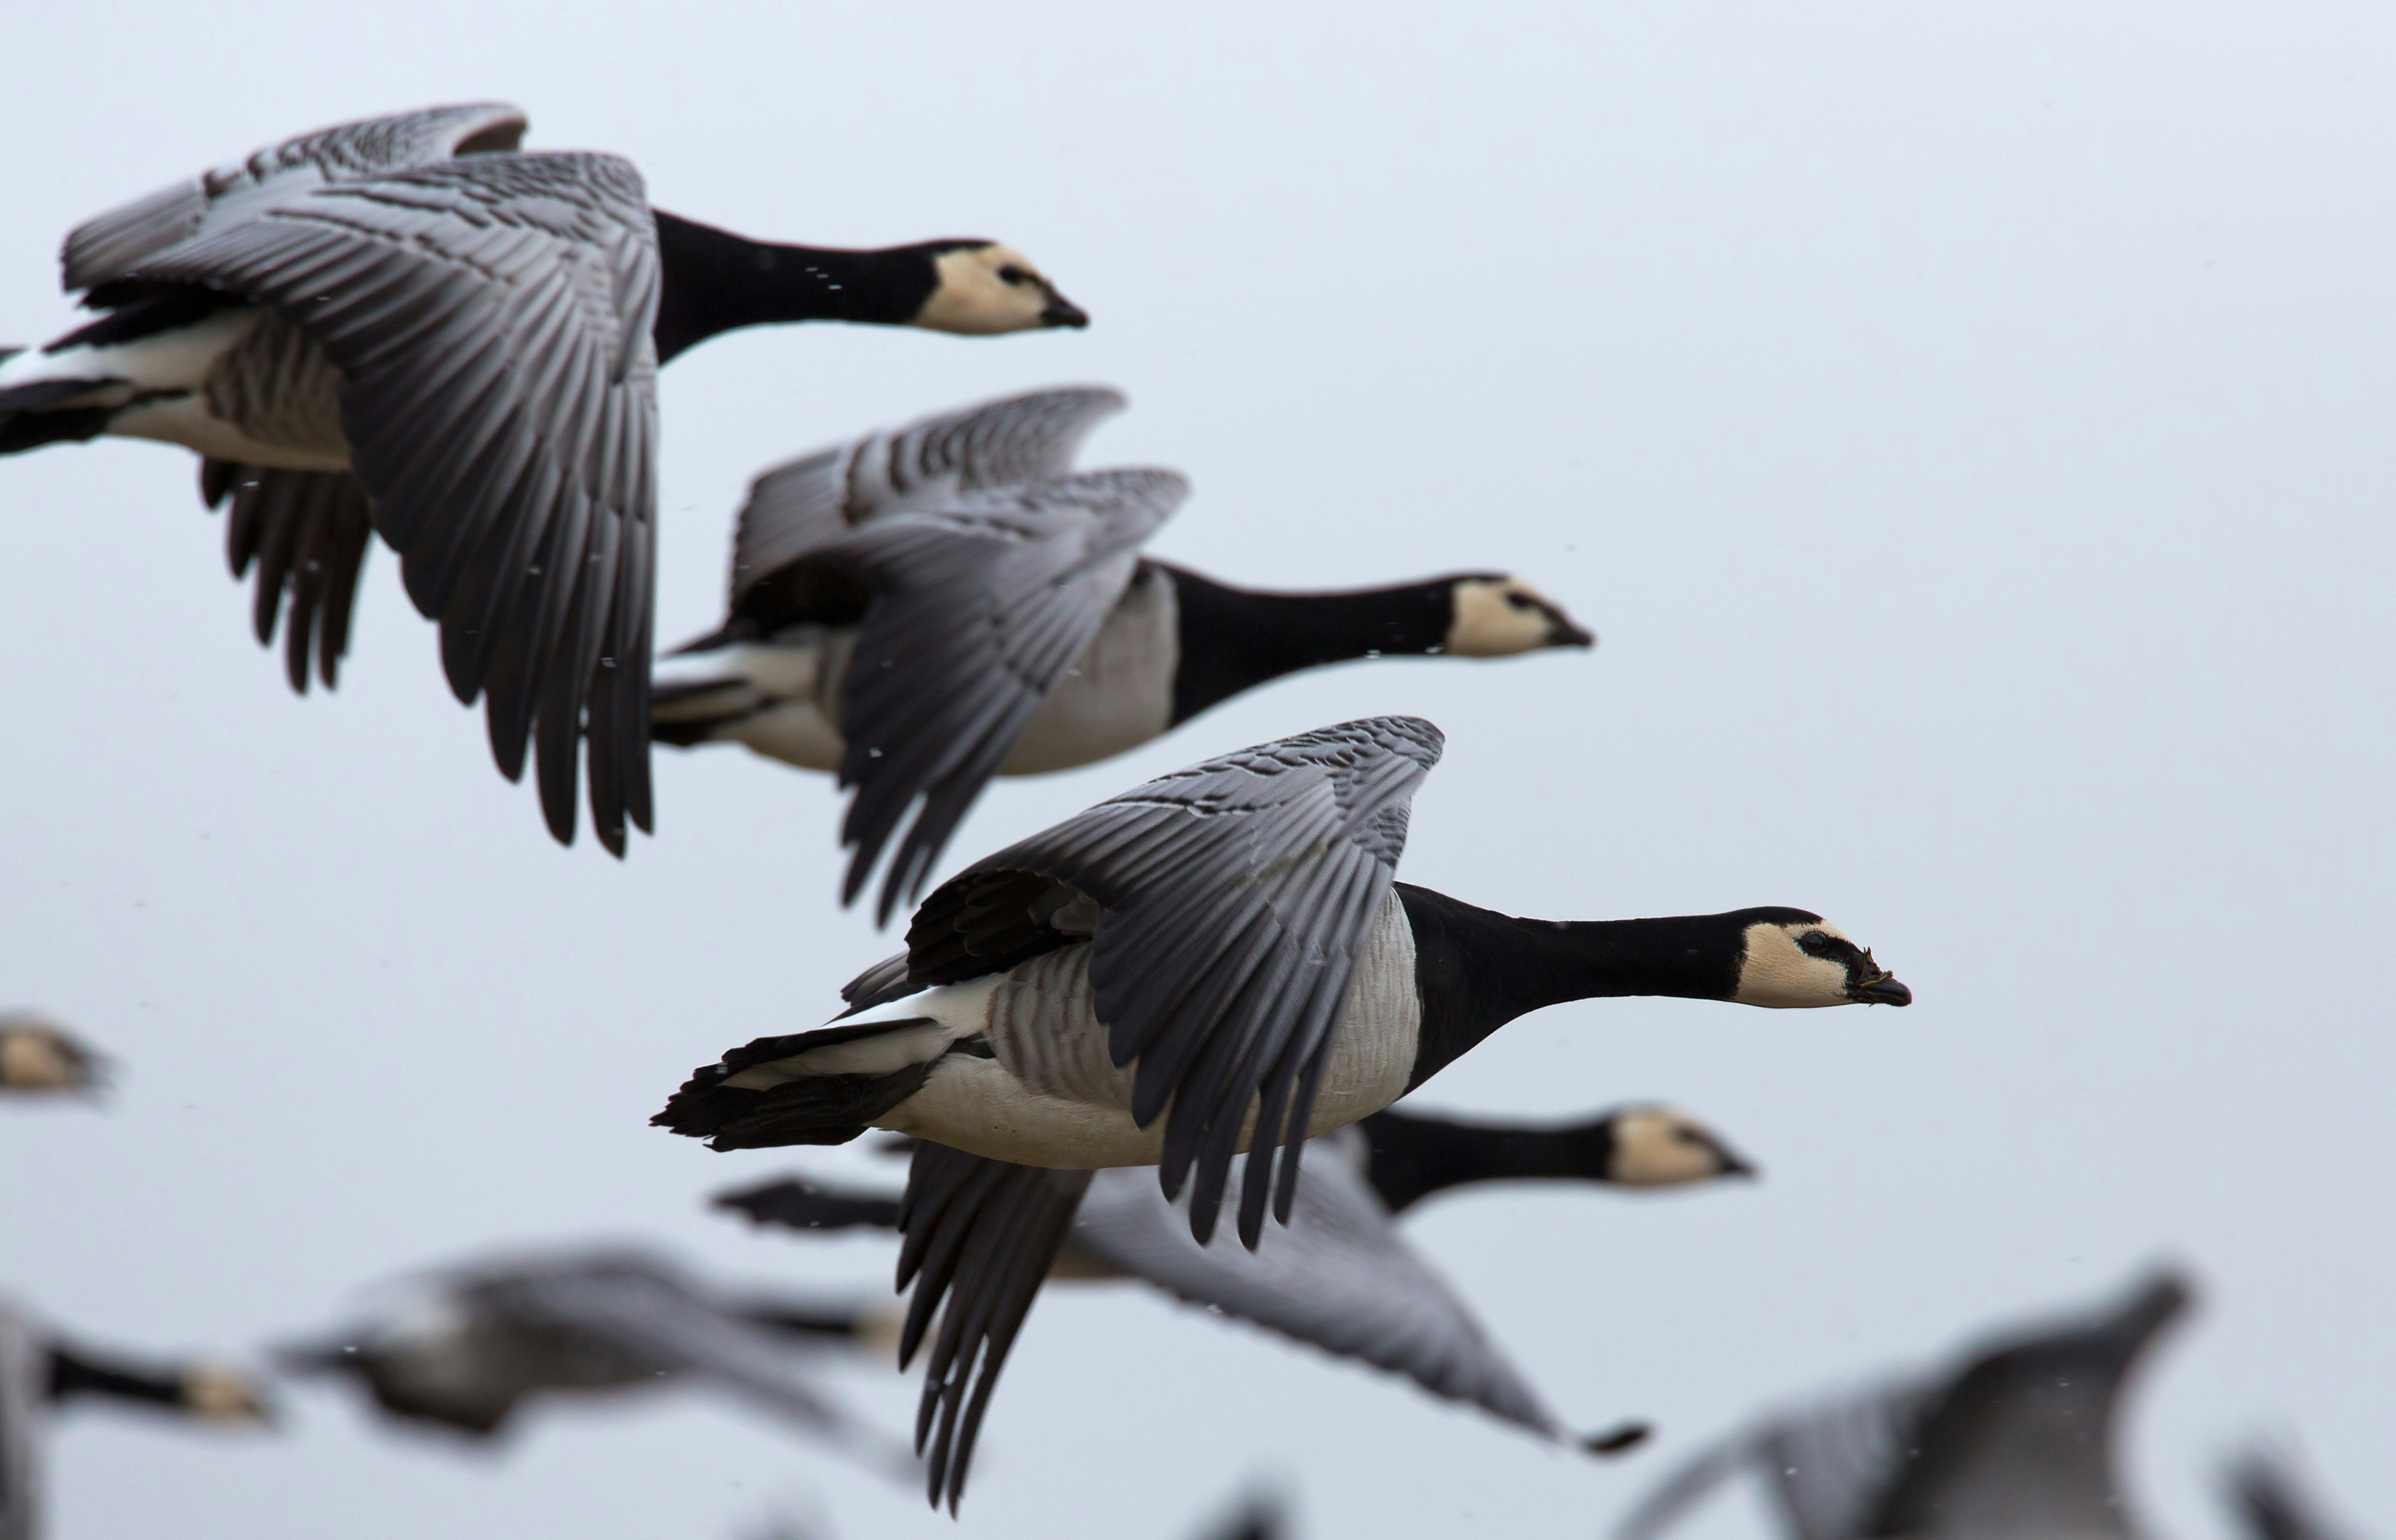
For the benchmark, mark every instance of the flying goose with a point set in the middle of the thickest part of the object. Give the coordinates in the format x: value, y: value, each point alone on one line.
x: 476, y: 1342
x: 927, y: 607
x: 1342, y: 1279
x: 40, y: 1057
x: 1215, y: 960
x: 410, y: 325
x: 39, y: 1371
x: 2014, y: 1442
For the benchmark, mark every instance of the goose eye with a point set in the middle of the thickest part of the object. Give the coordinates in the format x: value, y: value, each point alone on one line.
x: 1521, y: 601
x: 1817, y: 942
x: 1010, y: 274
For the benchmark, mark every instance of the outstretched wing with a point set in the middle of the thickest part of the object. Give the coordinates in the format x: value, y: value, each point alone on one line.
x: 307, y: 534
x: 978, y: 609
x: 804, y: 504
x: 1341, y: 1278
x: 490, y: 318
x: 981, y: 1235
x: 1829, y: 1466
x: 654, y: 1317
x: 1233, y: 899
x: 106, y: 247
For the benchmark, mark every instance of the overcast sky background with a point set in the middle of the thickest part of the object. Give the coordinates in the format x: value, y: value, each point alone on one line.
x: 1968, y: 427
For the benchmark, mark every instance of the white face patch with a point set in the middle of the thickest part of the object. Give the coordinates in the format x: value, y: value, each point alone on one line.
x: 32, y: 1059
x: 1658, y: 1146
x: 1501, y: 617
x: 1780, y: 974
x: 987, y: 291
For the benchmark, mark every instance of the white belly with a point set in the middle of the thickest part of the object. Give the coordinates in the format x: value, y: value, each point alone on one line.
x: 1052, y: 1097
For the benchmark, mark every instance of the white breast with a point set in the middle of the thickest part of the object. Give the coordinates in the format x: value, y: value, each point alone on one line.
x: 1118, y: 695
x: 1052, y: 1097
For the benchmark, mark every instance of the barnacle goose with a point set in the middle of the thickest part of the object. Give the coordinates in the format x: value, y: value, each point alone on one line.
x: 2017, y: 1440
x: 409, y: 326
x: 39, y: 1371
x: 927, y: 607
x: 1342, y: 1279
x: 1219, y: 960
x: 464, y: 1346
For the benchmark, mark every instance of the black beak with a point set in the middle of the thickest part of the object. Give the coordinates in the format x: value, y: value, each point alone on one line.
x: 1884, y: 990
x: 1620, y: 1438
x: 1736, y: 1165
x: 1062, y: 312
x: 1564, y: 633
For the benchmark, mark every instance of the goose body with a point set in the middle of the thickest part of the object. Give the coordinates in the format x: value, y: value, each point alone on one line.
x: 309, y: 318
x: 473, y: 1345
x: 1215, y: 963
x: 891, y: 544
x: 2018, y: 1440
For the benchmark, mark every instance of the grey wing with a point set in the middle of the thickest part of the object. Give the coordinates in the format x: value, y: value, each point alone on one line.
x: 980, y: 1235
x: 1829, y: 1466
x: 978, y: 609
x: 490, y: 318
x: 1340, y: 1278
x: 25, y: 1390
x: 1233, y: 899
x: 878, y: 985
x: 654, y: 1317
x: 106, y: 247
x: 307, y: 533
x: 805, y: 503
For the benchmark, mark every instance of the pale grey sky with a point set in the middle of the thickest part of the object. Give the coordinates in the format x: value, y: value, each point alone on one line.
x: 1967, y: 426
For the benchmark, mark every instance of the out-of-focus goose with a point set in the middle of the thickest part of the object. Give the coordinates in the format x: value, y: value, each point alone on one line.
x: 2271, y: 1504
x: 925, y: 608
x: 1225, y: 942
x: 2014, y: 1442
x: 407, y: 325
x: 39, y: 1371
x: 1342, y: 1279
x: 40, y: 1057
x: 476, y: 1342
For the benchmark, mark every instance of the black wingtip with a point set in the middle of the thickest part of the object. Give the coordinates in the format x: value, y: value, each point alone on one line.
x: 1621, y: 1438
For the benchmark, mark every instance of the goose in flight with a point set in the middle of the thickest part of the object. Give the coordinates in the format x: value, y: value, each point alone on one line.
x: 1342, y: 1279
x: 1217, y: 961
x: 40, y: 1057
x: 473, y: 1343
x: 411, y: 326
x: 2016, y: 1442
x: 40, y: 1370
x: 927, y: 607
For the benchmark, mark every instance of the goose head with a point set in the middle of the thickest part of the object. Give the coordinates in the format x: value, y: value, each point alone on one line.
x: 1796, y: 960
x: 1654, y: 1147
x: 215, y: 1393
x: 980, y: 288
x: 37, y: 1054
x: 1495, y: 616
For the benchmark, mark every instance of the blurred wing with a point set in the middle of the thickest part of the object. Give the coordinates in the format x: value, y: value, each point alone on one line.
x: 804, y: 504
x: 2264, y: 1492
x: 1830, y: 1466
x: 1340, y: 1278
x: 25, y: 1388
x: 981, y: 1235
x: 1233, y: 899
x: 105, y: 247
x: 979, y: 609
x: 490, y: 318
x: 307, y: 533
x: 794, y: 1202
x: 655, y: 1317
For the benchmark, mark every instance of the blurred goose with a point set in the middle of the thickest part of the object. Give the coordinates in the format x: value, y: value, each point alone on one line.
x: 925, y: 608
x: 1217, y: 961
x: 40, y: 1057
x: 311, y: 319
x: 38, y: 1372
x: 1342, y: 1279
x: 476, y: 1342
x: 2014, y: 1442
x: 2271, y: 1504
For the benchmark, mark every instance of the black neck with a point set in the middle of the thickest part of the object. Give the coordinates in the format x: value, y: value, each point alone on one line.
x: 808, y: 1321
x: 1414, y: 1156
x: 1234, y: 639
x: 715, y: 282
x: 1477, y: 970
x: 72, y: 1375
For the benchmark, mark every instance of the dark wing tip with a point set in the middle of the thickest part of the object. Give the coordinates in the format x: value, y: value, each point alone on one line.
x: 1622, y: 1438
